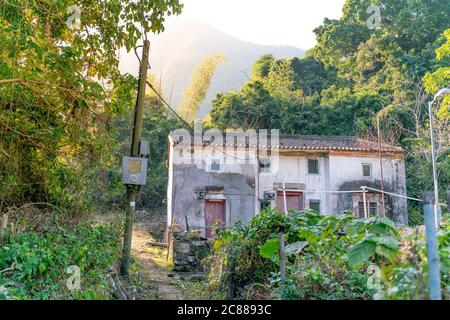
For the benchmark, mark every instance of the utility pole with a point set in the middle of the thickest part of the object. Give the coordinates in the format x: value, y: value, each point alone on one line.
x: 132, y: 190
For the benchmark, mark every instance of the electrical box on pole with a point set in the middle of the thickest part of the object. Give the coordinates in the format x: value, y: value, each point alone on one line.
x: 134, y: 171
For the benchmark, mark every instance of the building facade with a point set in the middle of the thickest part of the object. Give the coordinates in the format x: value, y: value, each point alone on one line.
x: 233, y: 182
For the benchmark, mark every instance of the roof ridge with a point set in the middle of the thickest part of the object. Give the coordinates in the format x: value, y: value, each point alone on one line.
x: 312, y: 142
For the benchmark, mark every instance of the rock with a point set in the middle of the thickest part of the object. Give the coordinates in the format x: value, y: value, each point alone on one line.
x: 180, y: 268
x: 189, y: 252
x: 182, y: 262
x: 199, y: 243
x: 197, y: 277
x: 182, y: 247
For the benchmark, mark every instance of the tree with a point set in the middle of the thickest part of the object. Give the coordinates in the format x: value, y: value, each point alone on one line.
x: 262, y: 66
x: 198, y: 86
x: 60, y: 86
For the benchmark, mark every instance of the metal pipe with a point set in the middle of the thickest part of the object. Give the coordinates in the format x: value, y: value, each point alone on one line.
x: 366, y: 215
x: 284, y: 199
x: 434, y: 276
x: 381, y: 169
x: 437, y: 211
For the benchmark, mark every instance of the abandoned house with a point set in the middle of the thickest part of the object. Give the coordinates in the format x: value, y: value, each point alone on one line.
x: 323, y: 173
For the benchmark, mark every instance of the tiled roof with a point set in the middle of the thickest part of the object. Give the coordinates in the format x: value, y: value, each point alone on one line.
x: 315, y: 143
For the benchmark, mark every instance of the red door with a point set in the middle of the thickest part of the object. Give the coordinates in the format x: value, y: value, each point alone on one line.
x: 294, y: 201
x: 214, y: 211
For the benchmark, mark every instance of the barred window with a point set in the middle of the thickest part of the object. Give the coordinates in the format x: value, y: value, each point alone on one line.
x: 313, y: 166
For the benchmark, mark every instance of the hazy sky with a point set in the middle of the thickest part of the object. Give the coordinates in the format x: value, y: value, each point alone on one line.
x: 279, y: 22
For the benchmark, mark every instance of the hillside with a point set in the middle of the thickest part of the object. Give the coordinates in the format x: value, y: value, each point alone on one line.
x: 176, y: 52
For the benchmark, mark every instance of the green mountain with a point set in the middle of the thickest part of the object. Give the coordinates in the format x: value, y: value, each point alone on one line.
x: 185, y: 43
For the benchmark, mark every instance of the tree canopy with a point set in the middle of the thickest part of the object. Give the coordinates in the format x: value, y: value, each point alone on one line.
x: 60, y: 86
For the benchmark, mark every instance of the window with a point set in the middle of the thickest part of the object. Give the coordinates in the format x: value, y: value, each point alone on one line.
x: 372, y: 209
x: 264, y: 165
x: 314, y: 205
x: 294, y: 201
x: 313, y: 166
x: 367, y: 170
x: 361, y: 210
x: 215, y: 165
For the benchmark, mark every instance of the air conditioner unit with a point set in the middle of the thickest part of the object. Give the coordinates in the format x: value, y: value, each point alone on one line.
x: 199, y: 194
x: 269, y: 195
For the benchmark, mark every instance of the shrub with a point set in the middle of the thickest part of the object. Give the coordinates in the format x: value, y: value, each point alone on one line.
x: 317, y: 262
x: 328, y: 257
x: 35, y: 265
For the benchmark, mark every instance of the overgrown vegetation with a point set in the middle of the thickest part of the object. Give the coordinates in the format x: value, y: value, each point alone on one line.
x: 60, y: 89
x: 65, y: 121
x: 39, y: 265
x: 61, y: 94
x: 328, y: 257
x: 355, y: 75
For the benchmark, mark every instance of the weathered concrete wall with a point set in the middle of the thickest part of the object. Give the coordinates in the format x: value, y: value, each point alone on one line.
x: 346, y: 175
x: 243, y: 185
x: 293, y: 169
x: 238, y: 192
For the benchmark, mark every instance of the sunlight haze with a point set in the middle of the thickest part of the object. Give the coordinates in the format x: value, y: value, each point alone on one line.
x: 284, y: 22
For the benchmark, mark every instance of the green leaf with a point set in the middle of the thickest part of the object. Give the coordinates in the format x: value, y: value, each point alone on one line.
x: 218, y: 244
x: 378, y: 228
x: 296, y: 247
x: 270, y: 248
x: 360, y: 252
x: 387, y: 222
x: 387, y: 241
x: 386, y: 252
x: 42, y: 267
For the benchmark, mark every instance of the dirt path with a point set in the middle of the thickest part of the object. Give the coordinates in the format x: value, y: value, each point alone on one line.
x: 156, y: 277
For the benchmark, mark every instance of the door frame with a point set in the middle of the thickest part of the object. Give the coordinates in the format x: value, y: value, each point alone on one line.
x: 292, y: 193
x: 225, y: 213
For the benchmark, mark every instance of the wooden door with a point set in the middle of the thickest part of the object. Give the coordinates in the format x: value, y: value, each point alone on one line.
x: 214, y: 211
x: 294, y: 201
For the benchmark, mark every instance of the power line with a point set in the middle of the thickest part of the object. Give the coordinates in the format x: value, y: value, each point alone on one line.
x: 168, y: 105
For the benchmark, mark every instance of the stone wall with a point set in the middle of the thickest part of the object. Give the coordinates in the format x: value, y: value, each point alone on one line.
x: 189, y: 250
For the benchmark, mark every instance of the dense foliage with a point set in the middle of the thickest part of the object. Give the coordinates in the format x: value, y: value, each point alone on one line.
x: 60, y: 87
x: 328, y: 257
x: 61, y: 97
x: 34, y: 265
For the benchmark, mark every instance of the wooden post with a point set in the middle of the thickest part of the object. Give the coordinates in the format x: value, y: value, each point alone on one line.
x: 135, y: 142
x: 284, y: 199
x: 4, y: 227
x: 187, y: 224
x: 230, y: 289
x: 282, y: 257
x: 282, y: 264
